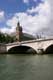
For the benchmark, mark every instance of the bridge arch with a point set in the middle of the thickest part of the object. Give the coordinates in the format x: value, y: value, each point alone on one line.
x: 49, y: 49
x: 21, y: 49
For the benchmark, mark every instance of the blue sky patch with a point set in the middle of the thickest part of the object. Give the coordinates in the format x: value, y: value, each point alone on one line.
x: 13, y: 6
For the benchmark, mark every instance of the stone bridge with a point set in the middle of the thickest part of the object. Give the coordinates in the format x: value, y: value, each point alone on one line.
x: 38, y: 45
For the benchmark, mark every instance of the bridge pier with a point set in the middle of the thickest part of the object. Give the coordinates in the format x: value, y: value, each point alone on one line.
x: 3, y: 48
x: 40, y: 51
x: 31, y: 51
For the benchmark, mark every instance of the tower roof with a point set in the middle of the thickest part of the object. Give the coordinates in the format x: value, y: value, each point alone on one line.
x: 18, y: 24
x: 19, y: 27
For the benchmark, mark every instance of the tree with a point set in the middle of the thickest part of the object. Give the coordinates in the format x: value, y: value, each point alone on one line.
x: 6, y: 38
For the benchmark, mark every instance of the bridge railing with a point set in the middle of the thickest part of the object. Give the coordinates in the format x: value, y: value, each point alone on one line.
x: 29, y: 41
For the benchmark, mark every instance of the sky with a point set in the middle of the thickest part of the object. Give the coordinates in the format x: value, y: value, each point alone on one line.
x: 35, y: 16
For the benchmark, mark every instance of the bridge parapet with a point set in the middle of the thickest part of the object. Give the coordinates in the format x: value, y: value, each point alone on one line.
x: 30, y: 41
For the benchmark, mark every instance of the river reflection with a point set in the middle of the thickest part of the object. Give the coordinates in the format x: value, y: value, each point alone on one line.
x: 26, y: 67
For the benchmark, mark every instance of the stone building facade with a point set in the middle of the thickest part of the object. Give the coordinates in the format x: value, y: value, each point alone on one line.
x: 19, y: 32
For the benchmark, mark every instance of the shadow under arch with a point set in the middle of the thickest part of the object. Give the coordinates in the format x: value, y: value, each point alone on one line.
x: 22, y: 50
x: 49, y: 50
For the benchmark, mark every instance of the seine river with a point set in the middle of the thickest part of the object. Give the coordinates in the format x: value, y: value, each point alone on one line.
x: 26, y: 67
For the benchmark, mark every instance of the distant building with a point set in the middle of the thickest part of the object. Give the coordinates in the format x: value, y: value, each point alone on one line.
x: 19, y: 33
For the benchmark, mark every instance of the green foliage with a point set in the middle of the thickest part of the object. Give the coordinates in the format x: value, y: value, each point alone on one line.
x: 5, y: 38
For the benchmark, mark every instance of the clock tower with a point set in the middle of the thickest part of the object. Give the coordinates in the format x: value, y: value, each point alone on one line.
x: 19, y: 32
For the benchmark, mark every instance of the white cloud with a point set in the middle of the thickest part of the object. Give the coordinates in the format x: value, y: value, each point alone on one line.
x: 12, y: 22
x: 32, y: 10
x: 41, y: 9
x: 34, y: 0
x: 32, y: 24
x: 26, y: 1
x: 49, y: 30
x: 1, y: 15
x: 7, y: 30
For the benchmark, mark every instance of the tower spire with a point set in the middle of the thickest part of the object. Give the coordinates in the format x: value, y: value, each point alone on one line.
x: 18, y: 24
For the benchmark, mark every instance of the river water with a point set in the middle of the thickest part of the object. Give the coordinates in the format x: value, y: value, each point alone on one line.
x: 26, y: 67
